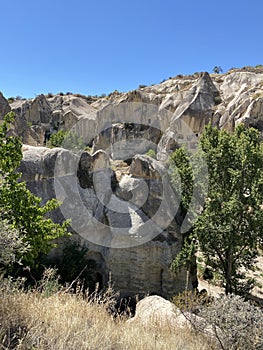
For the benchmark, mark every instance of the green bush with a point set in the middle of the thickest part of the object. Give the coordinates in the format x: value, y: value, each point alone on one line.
x: 73, y: 267
x: 11, y: 99
x: 66, y: 139
x: 151, y: 153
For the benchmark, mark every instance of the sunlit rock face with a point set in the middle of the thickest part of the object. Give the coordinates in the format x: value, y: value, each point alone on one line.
x: 120, y: 200
x: 4, y: 106
x: 146, y: 118
x: 128, y: 225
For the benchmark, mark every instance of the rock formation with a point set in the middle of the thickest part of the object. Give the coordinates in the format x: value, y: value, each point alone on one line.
x: 127, y: 226
x: 4, y: 106
x: 119, y: 199
x: 149, y: 115
x: 154, y: 311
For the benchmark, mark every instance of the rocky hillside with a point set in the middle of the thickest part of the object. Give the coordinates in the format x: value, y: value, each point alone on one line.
x: 116, y: 196
x: 223, y: 99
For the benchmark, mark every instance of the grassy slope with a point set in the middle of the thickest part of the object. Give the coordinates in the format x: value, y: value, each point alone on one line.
x: 63, y: 321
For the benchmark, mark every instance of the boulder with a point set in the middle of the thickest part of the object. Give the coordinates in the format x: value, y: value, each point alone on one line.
x: 145, y: 167
x: 155, y: 311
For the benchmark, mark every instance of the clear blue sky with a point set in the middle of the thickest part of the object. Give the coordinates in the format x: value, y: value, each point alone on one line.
x: 94, y: 47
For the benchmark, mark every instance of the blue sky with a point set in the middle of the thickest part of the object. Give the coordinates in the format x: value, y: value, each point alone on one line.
x: 93, y: 47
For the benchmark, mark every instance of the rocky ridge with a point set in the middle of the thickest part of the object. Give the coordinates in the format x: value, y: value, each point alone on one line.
x: 225, y: 100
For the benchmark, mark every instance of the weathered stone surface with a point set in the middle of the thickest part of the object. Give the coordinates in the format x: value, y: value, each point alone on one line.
x: 4, y: 106
x: 128, y: 225
x: 145, y: 270
x: 44, y: 113
x: 155, y: 311
x: 147, y: 168
x: 133, y: 245
x: 34, y: 111
x: 159, y: 116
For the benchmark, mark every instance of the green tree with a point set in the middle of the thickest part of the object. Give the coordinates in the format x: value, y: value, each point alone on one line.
x: 66, y: 139
x: 217, y: 69
x: 229, y: 229
x: 19, y: 207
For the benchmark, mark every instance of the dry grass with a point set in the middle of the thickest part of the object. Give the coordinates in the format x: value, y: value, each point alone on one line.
x: 64, y: 321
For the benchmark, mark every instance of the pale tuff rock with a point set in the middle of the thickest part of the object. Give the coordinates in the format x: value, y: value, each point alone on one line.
x: 35, y: 117
x: 108, y: 214
x: 127, y: 217
x: 4, y: 106
x: 145, y: 167
x: 154, y: 311
x: 145, y: 118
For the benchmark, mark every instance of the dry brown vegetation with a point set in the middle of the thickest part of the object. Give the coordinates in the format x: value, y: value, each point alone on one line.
x: 33, y: 320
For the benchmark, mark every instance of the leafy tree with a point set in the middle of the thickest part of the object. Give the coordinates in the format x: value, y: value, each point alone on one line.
x: 217, y: 69
x: 20, y: 208
x: 229, y: 229
x: 182, y: 176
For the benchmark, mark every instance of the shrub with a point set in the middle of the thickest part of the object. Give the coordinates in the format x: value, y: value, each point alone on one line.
x: 236, y: 324
x: 151, y: 153
x: 74, y: 267
x: 191, y: 300
x: 66, y: 139
x: 257, y: 95
x: 49, y: 283
x: 11, y: 99
x: 217, y: 100
x: 11, y: 244
x: 217, y: 70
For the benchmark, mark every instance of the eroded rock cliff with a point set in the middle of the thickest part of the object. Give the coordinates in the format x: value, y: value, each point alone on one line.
x: 127, y: 225
x: 120, y: 200
x: 146, y: 118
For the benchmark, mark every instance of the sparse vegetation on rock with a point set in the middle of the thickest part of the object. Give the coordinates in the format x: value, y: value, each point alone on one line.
x: 66, y: 139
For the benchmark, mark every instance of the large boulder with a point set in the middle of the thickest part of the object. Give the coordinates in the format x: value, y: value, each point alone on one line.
x: 155, y: 311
